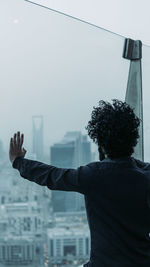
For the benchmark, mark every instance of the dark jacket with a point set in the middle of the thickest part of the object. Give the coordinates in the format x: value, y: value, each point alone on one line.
x: 117, y: 203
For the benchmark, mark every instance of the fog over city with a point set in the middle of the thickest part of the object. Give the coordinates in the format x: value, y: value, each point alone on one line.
x: 57, y: 67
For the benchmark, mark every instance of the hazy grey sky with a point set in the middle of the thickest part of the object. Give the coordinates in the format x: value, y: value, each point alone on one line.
x: 59, y: 68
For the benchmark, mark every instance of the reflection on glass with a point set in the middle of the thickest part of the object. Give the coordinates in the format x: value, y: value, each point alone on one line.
x: 53, y: 71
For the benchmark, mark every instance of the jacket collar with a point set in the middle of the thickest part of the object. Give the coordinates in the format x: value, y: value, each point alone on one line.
x: 125, y: 158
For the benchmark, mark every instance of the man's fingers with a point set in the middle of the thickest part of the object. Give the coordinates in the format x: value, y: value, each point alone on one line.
x: 11, y: 144
x: 14, y: 139
x: 18, y: 139
x: 21, y: 140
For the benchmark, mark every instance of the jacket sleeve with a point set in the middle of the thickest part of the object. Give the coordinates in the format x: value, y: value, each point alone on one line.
x: 54, y: 178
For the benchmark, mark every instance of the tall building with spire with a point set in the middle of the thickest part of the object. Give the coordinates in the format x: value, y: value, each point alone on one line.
x: 37, y: 133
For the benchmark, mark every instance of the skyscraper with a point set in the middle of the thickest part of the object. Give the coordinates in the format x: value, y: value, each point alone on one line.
x: 37, y: 131
x: 73, y: 151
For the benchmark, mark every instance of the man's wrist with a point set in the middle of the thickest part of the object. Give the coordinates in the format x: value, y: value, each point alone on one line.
x: 14, y: 161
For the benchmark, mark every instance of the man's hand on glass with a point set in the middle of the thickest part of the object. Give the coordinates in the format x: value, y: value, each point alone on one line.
x: 16, y: 150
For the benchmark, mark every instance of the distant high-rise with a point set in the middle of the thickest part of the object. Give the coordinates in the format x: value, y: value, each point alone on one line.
x: 73, y: 151
x: 86, y: 150
x: 37, y: 131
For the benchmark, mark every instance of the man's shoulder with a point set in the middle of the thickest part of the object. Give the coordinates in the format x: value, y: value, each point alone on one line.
x: 141, y: 164
x: 94, y: 164
x: 94, y: 167
x: 133, y: 161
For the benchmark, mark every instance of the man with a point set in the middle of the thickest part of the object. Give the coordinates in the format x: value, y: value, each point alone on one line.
x: 116, y: 188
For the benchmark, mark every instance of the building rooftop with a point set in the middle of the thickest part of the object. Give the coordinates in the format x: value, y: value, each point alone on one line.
x: 68, y: 231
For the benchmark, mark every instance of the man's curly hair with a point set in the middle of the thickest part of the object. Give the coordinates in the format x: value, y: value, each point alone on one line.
x: 114, y: 127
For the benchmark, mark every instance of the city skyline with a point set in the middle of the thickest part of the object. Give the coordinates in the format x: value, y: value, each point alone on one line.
x: 32, y: 232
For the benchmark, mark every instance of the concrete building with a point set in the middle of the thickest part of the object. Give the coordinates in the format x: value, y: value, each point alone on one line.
x: 73, y: 151
x: 23, y: 218
x: 22, y: 235
x: 68, y: 244
x: 16, y: 251
x: 21, y: 251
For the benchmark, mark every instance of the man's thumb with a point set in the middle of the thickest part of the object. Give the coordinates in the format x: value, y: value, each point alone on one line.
x: 24, y: 151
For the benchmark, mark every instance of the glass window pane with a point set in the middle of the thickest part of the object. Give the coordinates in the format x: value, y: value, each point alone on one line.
x: 54, y: 65
x: 54, y: 69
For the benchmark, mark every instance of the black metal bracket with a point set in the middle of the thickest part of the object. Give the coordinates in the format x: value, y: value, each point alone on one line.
x: 132, y: 49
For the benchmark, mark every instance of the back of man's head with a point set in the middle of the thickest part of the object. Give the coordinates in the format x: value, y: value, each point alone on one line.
x: 114, y: 127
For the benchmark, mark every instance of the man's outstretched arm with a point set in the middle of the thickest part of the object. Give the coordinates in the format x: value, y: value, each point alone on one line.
x: 46, y: 175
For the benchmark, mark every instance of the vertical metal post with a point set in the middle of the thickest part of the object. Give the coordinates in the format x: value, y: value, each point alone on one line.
x: 133, y: 52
